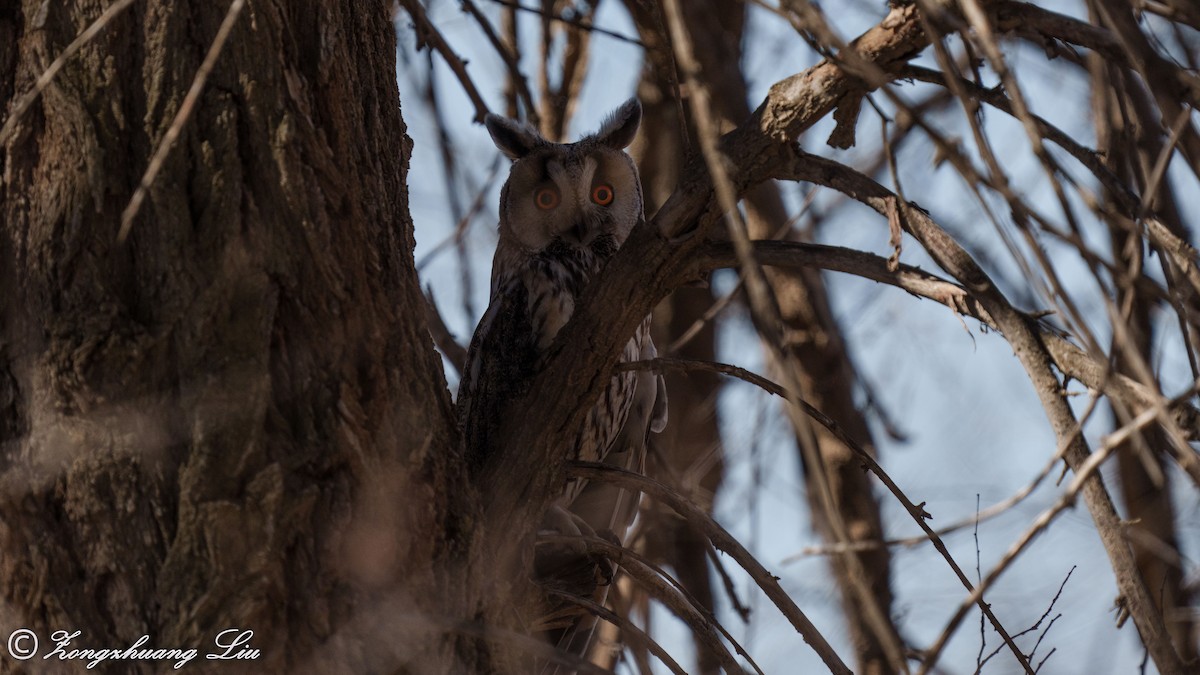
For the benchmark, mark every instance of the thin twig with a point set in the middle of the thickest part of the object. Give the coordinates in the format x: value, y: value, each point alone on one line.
x: 429, y: 34
x: 979, y: 517
x: 698, y: 325
x: 583, y: 25
x: 460, y: 228
x: 48, y: 75
x: 730, y: 590
x: 664, y: 363
x: 1164, y: 158
x: 1037, y: 624
x: 1082, y: 474
x: 509, y: 56
x: 454, y: 352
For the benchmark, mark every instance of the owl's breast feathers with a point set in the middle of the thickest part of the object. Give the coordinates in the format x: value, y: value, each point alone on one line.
x: 501, y: 359
x: 530, y: 303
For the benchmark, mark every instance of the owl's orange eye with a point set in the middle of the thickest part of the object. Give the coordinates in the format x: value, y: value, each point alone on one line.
x: 602, y: 194
x: 546, y: 198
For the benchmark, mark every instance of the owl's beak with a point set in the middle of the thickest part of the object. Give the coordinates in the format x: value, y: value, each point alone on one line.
x: 579, y: 231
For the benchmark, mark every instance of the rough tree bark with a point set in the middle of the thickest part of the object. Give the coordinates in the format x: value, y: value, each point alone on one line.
x: 234, y: 418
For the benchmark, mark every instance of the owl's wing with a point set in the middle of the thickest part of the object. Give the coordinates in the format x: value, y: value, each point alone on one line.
x: 658, y: 417
x: 601, y: 505
x: 609, y: 510
x: 502, y: 357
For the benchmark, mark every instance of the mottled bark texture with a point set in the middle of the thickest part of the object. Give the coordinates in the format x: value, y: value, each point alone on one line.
x: 236, y: 418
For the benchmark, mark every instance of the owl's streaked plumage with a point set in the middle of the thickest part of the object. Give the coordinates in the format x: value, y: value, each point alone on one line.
x: 564, y: 211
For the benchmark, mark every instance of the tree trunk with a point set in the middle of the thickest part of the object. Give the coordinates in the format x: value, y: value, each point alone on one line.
x: 235, y: 418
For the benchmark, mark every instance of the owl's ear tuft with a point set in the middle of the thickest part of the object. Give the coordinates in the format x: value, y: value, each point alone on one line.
x: 513, y: 138
x: 620, y: 127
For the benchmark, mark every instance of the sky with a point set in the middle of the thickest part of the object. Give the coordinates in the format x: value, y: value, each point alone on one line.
x: 975, y: 431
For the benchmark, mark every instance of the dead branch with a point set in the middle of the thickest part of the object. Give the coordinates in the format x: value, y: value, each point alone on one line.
x: 1070, y: 359
x: 1084, y: 475
x: 720, y: 539
x: 428, y: 34
x: 916, y: 511
x: 509, y: 56
x: 629, y: 631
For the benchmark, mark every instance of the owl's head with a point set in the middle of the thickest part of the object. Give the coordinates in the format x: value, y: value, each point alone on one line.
x: 569, y: 193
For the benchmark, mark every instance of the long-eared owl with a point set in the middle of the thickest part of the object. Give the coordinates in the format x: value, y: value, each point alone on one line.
x: 564, y: 211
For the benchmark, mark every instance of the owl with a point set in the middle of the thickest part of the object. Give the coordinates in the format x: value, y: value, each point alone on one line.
x: 564, y: 211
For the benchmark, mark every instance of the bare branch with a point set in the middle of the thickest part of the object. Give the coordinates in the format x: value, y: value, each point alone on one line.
x: 509, y: 56
x: 582, y: 25
x: 1068, y: 358
x: 428, y: 34
x: 768, y: 319
x: 651, y: 264
x: 722, y: 540
x: 1084, y: 476
x: 1036, y: 360
x: 974, y: 520
x: 916, y: 511
x: 455, y: 353
x: 18, y: 110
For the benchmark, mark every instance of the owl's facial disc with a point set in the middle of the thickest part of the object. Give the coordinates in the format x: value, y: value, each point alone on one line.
x: 572, y: 220
x: 573, y: 194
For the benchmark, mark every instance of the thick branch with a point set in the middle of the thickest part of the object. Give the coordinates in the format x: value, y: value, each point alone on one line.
x: 1068, y: 358
x: 1036, y: 360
